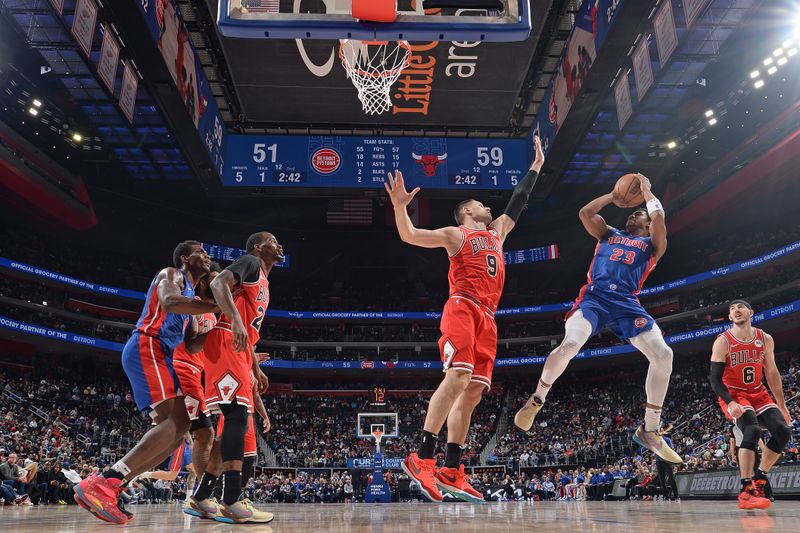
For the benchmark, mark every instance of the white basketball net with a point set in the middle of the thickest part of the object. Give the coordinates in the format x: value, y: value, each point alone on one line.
x: 373, y: 67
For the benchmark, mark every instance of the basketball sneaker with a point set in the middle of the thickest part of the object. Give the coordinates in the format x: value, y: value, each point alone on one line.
x: 762, y: 489
x: 243, y: 512
x: 749, y: 499
x: 653, y: 441
x: 525, y: 416
x: 423, y: 472
x: 208, y: 508
x: 99, y: 495
x: 455, y: 482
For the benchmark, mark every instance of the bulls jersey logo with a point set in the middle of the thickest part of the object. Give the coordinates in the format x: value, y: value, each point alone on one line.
x: 227, y: 388
x: 192, y: 406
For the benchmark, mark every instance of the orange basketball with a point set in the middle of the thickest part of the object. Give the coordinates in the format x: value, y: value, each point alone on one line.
x: 628, y: 192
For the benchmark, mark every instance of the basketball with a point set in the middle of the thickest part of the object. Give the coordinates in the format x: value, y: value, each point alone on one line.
x: 627, y: 192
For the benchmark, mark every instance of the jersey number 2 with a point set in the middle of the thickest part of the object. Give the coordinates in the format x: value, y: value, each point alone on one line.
x: 491, y: 265
x: 617, y: 253
x: 259, y: 317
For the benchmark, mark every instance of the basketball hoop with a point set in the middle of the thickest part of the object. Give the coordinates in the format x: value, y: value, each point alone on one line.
x: 377, y: 434
x: 373, y: 67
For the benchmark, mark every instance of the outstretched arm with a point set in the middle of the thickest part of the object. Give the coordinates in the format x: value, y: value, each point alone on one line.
x: 519, y: 198
x: 591, y: 219
x: 774, y: 377
x: 449, y: 237
x: 658, y: 225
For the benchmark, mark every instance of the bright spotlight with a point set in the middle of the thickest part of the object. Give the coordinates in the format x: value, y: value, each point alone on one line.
x: 772, y: 70
x: 712, y: 121
x: 791, y: 52
x: 33, y: 111
x: 709, y: 113
x: 37, y: 102
x: 782, y: 60
x: 758, y: 84
x: 777, y: 52
x: 77, y: 137
x: 786, y: 44
x: 671, y: 145
x: 768, y: 61
x: 754, y: 74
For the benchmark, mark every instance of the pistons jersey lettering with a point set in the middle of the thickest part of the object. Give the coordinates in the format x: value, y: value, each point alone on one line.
x: 621, y: 263
x: 477, y: 270
x: 744, y: 369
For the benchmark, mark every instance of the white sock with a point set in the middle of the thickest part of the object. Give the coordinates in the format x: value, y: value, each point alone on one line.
x: 652, y: 419
x: 542, y: 390
x: 122, y: 468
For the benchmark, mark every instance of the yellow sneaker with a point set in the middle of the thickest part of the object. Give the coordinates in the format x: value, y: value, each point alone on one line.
x: 202, y: 509
x: 653, y: 441
x: 525, y: 416
x: 243, y: 512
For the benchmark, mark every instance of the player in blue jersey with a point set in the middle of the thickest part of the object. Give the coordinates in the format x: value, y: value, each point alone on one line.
x: 622, y: 261
x: 167, y: 320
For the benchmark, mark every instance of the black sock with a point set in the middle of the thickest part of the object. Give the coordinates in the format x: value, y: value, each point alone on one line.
x: 452, y: 458
x: 759, y: 474
x: 746, y: 483
x: 428, y: 447
x: 111, y: 473
x: 217, y: 492
x: 204, y: 488
x: 231, y: 486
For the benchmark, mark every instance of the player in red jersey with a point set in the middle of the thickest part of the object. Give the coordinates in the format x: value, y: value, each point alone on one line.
x: 468, y: 343
x: 740, y: 359
x: 242, y: 293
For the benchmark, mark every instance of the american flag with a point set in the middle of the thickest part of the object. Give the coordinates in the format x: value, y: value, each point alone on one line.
x: 265, y: 6
x: 350, y: 211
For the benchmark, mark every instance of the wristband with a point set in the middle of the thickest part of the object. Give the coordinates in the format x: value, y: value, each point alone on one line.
x: 653, y: 206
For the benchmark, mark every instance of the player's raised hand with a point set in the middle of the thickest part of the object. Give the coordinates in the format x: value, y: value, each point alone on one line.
x: 644, y: 182
x: 539, y: 159
x: 396, y: 187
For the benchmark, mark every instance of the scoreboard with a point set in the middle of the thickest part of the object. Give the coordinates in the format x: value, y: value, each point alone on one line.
x: 363, y: 162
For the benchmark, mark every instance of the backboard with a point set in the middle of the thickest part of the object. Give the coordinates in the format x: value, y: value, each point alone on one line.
x: 428, y: 20
x: 367, y: 423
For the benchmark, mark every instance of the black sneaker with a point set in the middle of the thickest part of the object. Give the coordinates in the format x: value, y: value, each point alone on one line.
x: 121, y: 506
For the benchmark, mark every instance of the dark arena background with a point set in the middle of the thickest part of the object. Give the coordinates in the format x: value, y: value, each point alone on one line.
x: 130, y: 126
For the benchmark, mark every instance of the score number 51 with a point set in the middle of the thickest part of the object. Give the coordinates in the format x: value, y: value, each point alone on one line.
x: 260, y: 154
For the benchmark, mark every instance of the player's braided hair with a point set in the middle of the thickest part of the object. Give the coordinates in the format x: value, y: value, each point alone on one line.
x: 184, y: 248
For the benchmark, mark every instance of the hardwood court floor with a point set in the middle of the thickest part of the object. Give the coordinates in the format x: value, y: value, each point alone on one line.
x: 506, y: 517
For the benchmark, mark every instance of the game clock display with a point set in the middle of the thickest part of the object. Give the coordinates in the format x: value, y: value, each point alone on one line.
x: 363, y: 162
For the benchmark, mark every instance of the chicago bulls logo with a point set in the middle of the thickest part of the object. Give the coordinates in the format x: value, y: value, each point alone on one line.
x: 429, y: 162
x: 227, y: 388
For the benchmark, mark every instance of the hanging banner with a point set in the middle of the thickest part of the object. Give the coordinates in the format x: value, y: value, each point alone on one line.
x: 692, y: 9
x: 642, y: 68
x: 622, y: 94
x: 109, y: 58
x: 665, y: 32
x: 83, y: 24
x: 58, y: 5
x: 127, y: 96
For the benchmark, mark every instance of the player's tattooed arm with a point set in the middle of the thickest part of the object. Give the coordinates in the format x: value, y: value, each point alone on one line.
x: 774, y: 377
x: 658, y: 225
x: 221, y: 288
x: 449, y: 238
x: 719, y: 356
x: 169, y: 286
x: 590, y: 216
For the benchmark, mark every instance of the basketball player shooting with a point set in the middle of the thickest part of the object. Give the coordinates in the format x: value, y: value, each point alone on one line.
x: 166, y: 322
x: 740, y: 358
x: 468, y: 343
x: 622, y: 261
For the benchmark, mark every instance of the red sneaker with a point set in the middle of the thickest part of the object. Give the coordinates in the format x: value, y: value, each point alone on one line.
x: 454, y: 481
x: 423, y: 471
x: 99, y: 495
x: 748, y: 499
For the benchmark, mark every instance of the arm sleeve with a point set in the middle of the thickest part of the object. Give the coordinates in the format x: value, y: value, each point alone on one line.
x: 519, y: 198
x: 246, y: 268
x: 715, y: 377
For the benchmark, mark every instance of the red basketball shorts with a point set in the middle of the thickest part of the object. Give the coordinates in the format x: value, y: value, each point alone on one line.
x: 228, y: 373
x: 249, y: 437
x: 469, y: 339
x: 757, y: 401
x: 189, y: 376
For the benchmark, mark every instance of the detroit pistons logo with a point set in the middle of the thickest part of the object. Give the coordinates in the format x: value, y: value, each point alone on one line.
x: 640, y: 322
x: 758, y: 343
x: 326, y: 161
